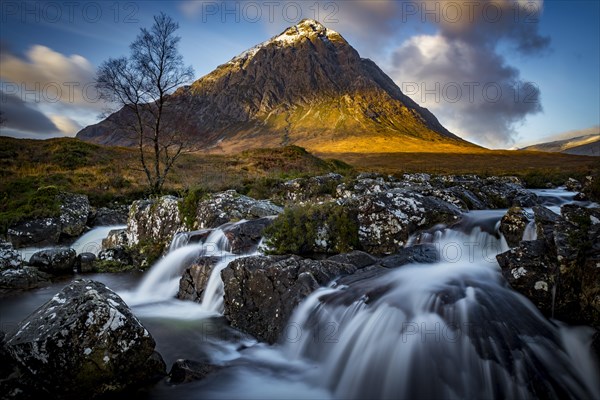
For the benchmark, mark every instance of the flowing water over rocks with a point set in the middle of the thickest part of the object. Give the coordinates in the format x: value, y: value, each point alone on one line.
x: 436, y: 319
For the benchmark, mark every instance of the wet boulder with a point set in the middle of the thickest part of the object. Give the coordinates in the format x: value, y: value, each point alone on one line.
x: 37, y: 232
x: 420, y: 254
x: 577, y: 241
x: 69, y: 222
x: 74, y: 211
x: 245, y: 237
x: 116, y: 254
x: 531, y: 270
x: 261, y: 292
x: 58, y: 261
x: 513, y: 224
x: 561, y: 277
x: 84, y: 343
x: 545, y: 219
x: 23, y: 278
x: 358, y: 258
x: 86, y: 262
x: 573, y: 185
x: 9, y: 257
x: 195, y: 278
x: 229, y: 206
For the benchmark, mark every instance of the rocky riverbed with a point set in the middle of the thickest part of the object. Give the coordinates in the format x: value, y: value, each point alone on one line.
x: 216, y: 259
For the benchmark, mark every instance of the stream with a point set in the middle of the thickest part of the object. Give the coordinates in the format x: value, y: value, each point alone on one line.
x: 451, y: 329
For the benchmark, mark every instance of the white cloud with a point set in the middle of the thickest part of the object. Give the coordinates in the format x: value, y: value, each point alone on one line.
x: 49, y: 76
x: 65, y: 124
x: 54, y: 91
x: 471, y: 89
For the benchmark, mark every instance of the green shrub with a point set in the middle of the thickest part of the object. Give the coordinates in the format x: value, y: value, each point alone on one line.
x: 22, y: 203
x: 297, y: 230
x: 260, y: 188
x: 188, y: 207
x: 73, y: 154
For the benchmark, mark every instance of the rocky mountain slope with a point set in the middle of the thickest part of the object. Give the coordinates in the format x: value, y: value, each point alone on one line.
x: 306, y: 86
x: 588, y: 145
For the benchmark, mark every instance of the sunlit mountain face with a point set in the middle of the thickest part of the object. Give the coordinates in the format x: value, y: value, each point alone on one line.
x: 307, y: 86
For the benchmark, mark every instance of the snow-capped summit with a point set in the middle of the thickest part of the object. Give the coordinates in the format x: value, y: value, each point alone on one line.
x: 307, y: 29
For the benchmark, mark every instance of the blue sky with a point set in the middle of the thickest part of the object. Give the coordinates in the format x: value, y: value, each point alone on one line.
x: 545, y: 52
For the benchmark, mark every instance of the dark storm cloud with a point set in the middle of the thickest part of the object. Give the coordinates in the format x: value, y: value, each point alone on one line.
x: 21, y: 116
x: 460, y: 74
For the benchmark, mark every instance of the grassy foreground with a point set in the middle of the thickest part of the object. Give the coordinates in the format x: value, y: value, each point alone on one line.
x: 32, y: 171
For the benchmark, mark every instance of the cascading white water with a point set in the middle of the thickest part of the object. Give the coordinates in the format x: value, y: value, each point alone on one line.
x: 453, y: 329
x: 90, y: 242
x: 161, y: 282
x: 180, y: 240
x: 530, y: 232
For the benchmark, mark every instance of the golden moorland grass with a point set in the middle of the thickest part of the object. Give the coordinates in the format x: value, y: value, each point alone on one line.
x: 480, y: 162
x: 31, y: 170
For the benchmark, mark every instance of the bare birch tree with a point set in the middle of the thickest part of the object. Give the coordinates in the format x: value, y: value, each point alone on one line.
x: 142, y: 84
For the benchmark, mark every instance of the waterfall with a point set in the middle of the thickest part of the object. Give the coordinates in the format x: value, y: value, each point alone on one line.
x: 453, y: 329
x: 181, y: 239
x: 161, y: 282
x: 212, y: 300
x: 530, y: 232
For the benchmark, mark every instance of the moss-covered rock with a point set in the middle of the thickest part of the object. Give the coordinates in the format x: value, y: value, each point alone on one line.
x: 314, y: 229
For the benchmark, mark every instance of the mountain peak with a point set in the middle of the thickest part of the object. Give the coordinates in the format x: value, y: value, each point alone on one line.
x: 304, y: 29
x: 307, y: 29
x: 306, y: 86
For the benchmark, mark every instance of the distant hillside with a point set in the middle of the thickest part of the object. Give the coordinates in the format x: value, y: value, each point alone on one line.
x: 588, y: 145
x: 307, y: 87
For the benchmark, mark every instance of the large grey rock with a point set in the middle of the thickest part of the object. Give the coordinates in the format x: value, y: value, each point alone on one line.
x: 57, y: 261
x: 71, y: 222
x: 513, y: 224
x: 244, y: 237
x: 38, y: 232
x: 387, y: 219
x: 74, y: 211
x: 531, y: 269
x: 229, y: 206
x: 195, y: 278
x: 545, y: 219
x: 83, y: 343
x: 577, y: 241
x: 117, y: 254
x: 86, y: 262
x: 314, y: 189
x: 261, y: 292
x: 24, y: 278
x: 156, y: 220
x: 573, y: 185
x: 560, y: 277
x: 9, y: 257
